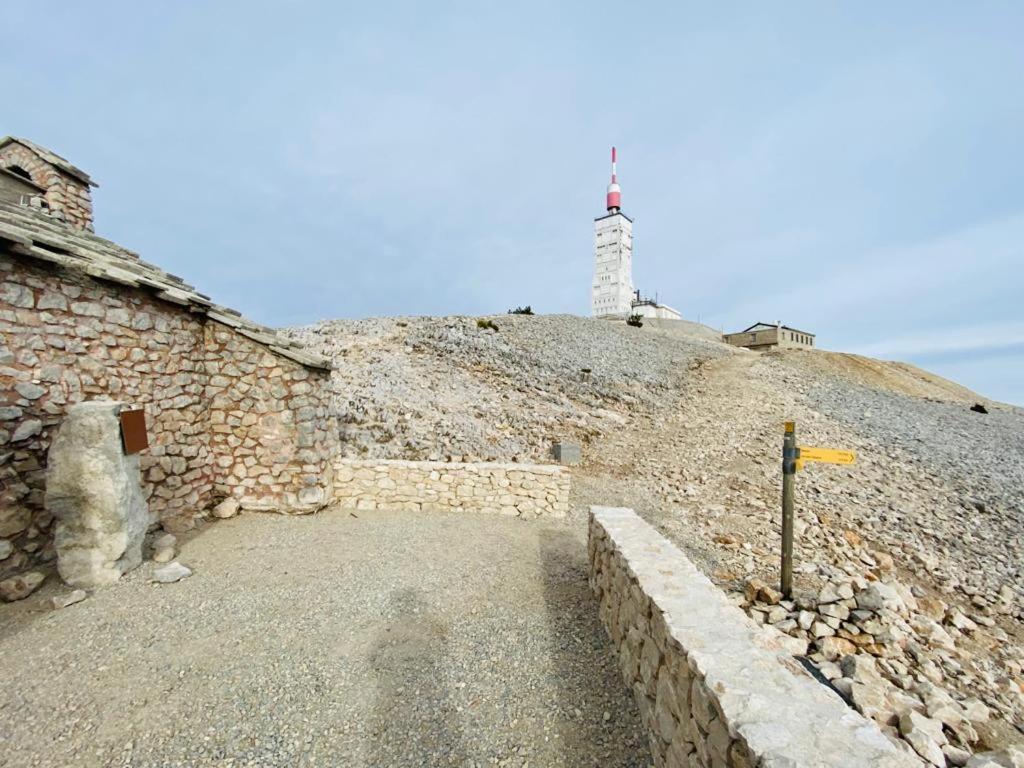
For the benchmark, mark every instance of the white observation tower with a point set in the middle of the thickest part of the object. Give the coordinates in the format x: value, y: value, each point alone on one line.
x: 612, y: 289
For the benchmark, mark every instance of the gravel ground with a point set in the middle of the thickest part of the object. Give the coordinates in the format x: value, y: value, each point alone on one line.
x: 391, y: 639
x: 687, y: 431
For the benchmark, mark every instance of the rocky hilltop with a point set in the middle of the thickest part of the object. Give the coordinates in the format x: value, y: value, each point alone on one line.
x: 910, y: 563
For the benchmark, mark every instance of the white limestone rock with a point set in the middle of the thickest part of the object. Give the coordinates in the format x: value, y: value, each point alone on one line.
x: 1008, y: 757
x: 926, y: 747
x: 861, y: 668
x: 955, y: 756
x: 961, y: 622
x: 975, y: 710
x: 915, y: 721
x: 821, y: 629
x: 774, y: 639
x: 171, y: 573
x: 870, y: 599
x: 227, y: 508
x: 20, y: 587
x: 870, y: 693
x: 93, y: 491
x: 835, y: 648
x: 164, y: 548
x: 829, y: 594
x: 69, y: 598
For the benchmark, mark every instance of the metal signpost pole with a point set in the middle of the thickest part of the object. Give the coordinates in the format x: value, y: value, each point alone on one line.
x: 789, y: 456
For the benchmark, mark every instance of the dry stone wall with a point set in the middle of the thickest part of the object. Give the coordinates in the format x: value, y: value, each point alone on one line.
x: 712, y: 688
x: 519, y: 490
x: 225, y: 415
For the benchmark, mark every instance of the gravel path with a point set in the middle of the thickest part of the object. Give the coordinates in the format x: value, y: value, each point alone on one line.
x: 388, y: 639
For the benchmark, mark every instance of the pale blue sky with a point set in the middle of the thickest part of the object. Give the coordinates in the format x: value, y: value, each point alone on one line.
x: 852, y: 169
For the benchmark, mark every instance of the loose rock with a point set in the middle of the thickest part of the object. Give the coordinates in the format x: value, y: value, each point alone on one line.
x: 227, y: 508
x: 69, y: 598
x: 171, y: 573
x: 164, y: 548
x: 20, y: 587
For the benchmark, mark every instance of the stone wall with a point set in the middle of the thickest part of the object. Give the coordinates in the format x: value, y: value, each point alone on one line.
x: 65, y: 195
x: 520, y: 490
x: 225, y: 415
x: 712, y: 687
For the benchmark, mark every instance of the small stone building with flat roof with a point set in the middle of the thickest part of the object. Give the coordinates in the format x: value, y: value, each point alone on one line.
x: 761, y: 336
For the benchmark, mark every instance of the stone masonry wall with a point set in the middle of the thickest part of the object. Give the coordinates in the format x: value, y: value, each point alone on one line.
x: 712, y: 688
x: 519, y: 490
x: 225, y: 415
x: 65, y: 194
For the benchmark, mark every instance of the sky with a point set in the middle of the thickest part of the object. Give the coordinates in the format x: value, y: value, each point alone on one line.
x: 852, y: 169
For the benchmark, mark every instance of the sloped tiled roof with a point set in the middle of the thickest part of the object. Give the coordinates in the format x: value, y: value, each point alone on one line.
x: 52, y: 158
x: 769, y: 326
x: 37, y: 235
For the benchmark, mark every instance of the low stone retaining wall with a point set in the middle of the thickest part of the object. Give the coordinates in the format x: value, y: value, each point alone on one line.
x: 521, y: 490
x: 711, y: 687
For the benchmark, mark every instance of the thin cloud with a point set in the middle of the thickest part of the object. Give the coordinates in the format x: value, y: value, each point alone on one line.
x: 948, y: 340
x: 888, y: 282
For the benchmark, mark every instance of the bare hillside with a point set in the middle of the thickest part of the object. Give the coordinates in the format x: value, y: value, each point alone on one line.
x: 687, y: 431
x: 440, y: 387
x: 901, y: 378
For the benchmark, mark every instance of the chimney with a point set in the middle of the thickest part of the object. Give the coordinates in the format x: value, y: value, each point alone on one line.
x: 66, y: 190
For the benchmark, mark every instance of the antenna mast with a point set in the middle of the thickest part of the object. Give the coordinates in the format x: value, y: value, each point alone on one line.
x: 614, y: 197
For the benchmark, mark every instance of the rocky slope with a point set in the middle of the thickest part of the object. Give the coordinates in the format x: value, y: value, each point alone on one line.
x: 910, y: 569
x: 432, y: 388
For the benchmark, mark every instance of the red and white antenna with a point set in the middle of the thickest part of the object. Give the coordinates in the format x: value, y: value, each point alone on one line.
x: 614, y: 197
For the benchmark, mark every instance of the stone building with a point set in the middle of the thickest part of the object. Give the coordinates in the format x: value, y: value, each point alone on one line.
x: 761, y: 336
x: 652, y: 309
x: 36, y: 176
x: 232, y: 409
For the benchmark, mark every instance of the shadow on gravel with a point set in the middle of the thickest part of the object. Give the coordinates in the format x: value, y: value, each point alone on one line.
x: 413, y: 722
x: 597, y: 718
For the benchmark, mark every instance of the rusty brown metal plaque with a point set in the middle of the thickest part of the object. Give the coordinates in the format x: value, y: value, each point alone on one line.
x: 133, y: 431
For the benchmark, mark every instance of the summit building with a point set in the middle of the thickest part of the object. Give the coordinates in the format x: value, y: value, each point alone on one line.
x: 612, y: 291
x: 613, y: 257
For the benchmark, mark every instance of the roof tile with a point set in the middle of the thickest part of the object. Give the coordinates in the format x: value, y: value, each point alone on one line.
x: 34, y: 234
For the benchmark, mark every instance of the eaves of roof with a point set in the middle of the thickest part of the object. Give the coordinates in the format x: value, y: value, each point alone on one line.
x: 51, y: 157
x: 37, y: 235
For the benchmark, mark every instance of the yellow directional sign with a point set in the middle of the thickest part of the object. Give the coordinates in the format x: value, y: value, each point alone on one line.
x: 826, y: 455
